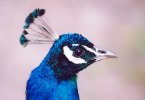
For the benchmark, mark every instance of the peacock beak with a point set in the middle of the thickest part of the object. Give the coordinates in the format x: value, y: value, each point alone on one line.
x: 103, y: 54
x: 110, y: 54
x: 100, y: 53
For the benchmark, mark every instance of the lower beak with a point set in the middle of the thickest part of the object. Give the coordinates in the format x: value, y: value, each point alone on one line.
x: 109, y: 54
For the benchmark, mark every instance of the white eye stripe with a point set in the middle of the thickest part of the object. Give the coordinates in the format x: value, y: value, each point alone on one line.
x: 69, y: 54
x: 89, y: 49
x: 75, y: 44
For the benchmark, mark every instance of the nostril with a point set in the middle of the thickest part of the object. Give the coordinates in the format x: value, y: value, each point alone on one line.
x: 101, y: 51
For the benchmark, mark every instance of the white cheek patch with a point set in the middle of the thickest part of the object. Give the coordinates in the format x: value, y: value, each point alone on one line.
x: 69, y: 54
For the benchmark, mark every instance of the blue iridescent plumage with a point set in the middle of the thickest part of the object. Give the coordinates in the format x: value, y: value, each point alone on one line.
x: 55, y: 83
x: 43, y: 85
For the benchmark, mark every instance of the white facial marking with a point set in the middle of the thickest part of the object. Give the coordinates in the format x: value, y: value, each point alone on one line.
x: 69, y: 54
x: 75, y: 44
x: 99, y: 56
x: 89, y: 49
x: 93, y: 51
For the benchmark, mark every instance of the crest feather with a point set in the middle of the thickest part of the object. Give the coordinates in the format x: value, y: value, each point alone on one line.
x: 36, y: 30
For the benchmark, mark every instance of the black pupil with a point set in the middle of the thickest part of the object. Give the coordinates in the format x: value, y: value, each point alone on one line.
x: 78, y: 52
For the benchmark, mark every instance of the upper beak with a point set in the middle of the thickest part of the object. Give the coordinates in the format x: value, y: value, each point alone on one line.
x: 103, y: 54
x: 109, y: 54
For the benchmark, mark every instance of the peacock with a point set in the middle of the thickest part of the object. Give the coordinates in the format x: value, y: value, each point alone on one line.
x: 56, y: 76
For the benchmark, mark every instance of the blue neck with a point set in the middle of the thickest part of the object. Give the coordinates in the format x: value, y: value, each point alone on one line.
x: 66, y: 90
x: 43, y: 85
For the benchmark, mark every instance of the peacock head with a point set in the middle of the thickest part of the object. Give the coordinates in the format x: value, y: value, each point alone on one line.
x: 70, y: 52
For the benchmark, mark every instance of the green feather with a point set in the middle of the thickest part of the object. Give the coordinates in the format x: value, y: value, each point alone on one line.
x: 23, y: 40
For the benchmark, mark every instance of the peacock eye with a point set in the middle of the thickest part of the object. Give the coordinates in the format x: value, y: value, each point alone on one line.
x: 78, y: 52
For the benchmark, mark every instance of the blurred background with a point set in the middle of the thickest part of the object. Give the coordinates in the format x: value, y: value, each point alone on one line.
x: 116, y: 25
